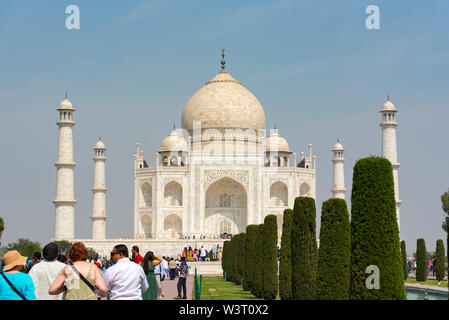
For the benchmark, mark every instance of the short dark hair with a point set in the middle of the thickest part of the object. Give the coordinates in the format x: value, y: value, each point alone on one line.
x: 37, y: 255
x: 136, y: 248
x: 123, y: 249
x: 183, y: 258
x: 50, y: 251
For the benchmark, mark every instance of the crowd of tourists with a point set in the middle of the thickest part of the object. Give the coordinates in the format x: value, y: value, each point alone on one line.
x: 206, y: 236
x: 75, y: 277
x: 431, y: 266
x: 202, y: 254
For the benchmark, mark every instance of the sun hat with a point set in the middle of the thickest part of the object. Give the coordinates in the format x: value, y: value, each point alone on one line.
x: 13, y: 258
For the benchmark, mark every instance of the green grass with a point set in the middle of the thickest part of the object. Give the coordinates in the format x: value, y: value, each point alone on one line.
x: 427, y: 282
x: 215, y: 288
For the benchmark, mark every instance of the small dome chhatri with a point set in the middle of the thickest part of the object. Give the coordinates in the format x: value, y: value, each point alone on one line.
x: 174, y: 142
x: 276, y: 142
x: 66, y: 104
x: 388, y: 106
x: 100, y: 145
x: 223, y: 103
x: 338, y: 146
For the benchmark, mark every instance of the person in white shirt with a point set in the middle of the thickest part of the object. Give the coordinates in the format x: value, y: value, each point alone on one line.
x: 125, y: 280
x: 165, y: 267
x: 203, y: 254
x: 45, y: 272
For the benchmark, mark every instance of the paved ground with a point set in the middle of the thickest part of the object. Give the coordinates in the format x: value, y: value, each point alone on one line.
x: 170, y: 290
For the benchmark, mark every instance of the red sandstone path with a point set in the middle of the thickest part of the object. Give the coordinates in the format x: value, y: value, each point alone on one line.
x: 170, y: 290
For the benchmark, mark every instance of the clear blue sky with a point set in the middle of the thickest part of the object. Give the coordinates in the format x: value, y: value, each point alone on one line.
x: 318, y: 72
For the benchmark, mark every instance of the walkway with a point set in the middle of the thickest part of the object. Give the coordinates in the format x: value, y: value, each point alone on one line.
x: 427, y: 287
x: 170, y: 290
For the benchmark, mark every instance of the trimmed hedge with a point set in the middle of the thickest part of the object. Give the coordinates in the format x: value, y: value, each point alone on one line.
x: 439, y: 268
x: 374, y: 232
x: 304, y: 249
x: 334, y: 255
x: 270, y: 264
x: 240, y: 257
x: 250, y: 256
x: 404, y: 259
x: 257, y: 279
x: 285, y: 263
x: 421, y: 260
x: 224, y: 260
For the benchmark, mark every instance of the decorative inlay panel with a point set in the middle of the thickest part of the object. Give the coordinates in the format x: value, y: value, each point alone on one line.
x: 211, y: 176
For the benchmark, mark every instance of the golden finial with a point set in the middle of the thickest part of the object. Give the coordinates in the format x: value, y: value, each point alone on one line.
x: 388, y: 97
x: 66, y: 95
x: 223, y: 62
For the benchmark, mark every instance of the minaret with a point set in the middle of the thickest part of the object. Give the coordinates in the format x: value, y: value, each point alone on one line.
x: 389, y: 146
x: 99, y: 190
x: 338, y: 189
x: 65, y: 194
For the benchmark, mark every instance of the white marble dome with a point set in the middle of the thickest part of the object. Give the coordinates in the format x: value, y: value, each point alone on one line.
x: 338, y: 147
x: 65, y: 104
x: 174, y: 142
x: 276, y: 142
x: 388, y: 106
x: 100, y: 145
x: 223, y: 103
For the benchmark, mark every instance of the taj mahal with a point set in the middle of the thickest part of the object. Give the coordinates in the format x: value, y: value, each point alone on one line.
x: 219, y: 172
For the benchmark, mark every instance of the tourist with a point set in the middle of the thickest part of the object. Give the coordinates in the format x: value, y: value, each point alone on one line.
x: 125, y: 280
x: 184, y: 252
x: 219, y: 252
x: 14, y: 284
x: 45, y: 273
x: 137, y: 258
x: 164, y: 267
x: 190, y: 254
x: 172, y: 268
x: 79, y: 278
x: 203, y: 254
x: 195, y: 255
x: 214, y: 252
x: 36, y: 259
x: 158, y: 272
x: 183, y: 271
x: 150, y: 261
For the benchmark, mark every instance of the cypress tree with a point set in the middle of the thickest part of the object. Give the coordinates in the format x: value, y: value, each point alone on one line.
x: 285, y: 263
x: 404, y: 259
x: 304, y: 249
x: 230, y: 262
x: 375, y: 232
x: 439, y: 268
x: 235, y: 260
x: 224, y: 258
x: 421, y: 260
x: 334, y: 254
x: 241, y: 257
x: 257, y: 283
x: 250, y: 256
x: 270, y: 264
